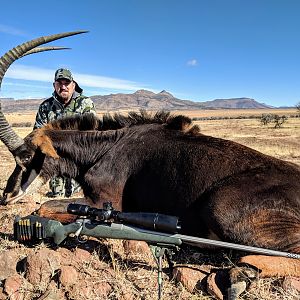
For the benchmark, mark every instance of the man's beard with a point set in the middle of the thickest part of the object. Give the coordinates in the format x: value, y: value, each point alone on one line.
x: 64, y: 96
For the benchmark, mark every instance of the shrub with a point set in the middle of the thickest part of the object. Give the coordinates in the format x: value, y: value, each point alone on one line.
x: 22, y: 124
x: 271, y: 118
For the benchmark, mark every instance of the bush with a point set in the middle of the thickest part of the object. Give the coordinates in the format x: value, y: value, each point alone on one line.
x: 22, y: 124
x: 279, y: 120
x: 271, y: 118
x: 298, y: 106
x: 266, y: 119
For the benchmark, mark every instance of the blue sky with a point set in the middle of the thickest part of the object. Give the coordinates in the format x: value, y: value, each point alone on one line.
x: 195, y: 49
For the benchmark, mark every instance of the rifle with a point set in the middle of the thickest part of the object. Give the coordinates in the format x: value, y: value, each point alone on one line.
x: 158, y: 230
x: 102, y: 223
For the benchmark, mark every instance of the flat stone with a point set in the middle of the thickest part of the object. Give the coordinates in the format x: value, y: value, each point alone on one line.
x: 73, y: 258
x: 271, y: 266
x: 291, y: 282
x: 41, y: 266
x: 212, y: 287
x: 8, y: 263
x: 189, y: 277
x: 68, y: 275
x: 52, y: 293
x: 12, y: 287
x: 3, y: 295
x: 87, y: 289
x: 138, y: 250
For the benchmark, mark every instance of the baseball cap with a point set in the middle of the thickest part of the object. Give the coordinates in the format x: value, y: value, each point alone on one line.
x: 66, y: 74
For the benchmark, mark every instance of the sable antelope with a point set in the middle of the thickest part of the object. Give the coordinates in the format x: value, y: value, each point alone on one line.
x: 218, y: 188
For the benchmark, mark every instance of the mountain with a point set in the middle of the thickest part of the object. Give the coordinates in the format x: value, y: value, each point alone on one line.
x: 20, y: 105
x: 141, y: 99
x: 235, y: 103
x: 164, y: 100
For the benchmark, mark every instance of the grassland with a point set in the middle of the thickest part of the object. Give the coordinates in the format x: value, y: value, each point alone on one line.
x: 281, y: 142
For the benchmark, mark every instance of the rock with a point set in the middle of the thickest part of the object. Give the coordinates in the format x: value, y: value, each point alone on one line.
x: 68, y: 275
x: 101, y: 289
x: 13, y: 287
x: 80, y: 256
x: 82, y: 275
x: 237, y: 289
x: 91, y: 288
x: 8, y: 263
x: 136, y: 247
x: 217, y: 284
x: 190, y: 278
x: 125, y: 295
x: 52, y: 293
x: 292, y: 283
x: 270, y: 266
x: 138, y: 250
x: 3, y: 296
x: 212, y: 287
x: 75, y: 258
x: 41, y: 266
x: 239, y: 278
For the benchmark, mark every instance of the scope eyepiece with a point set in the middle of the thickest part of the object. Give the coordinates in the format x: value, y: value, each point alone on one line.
x: 78, y: 209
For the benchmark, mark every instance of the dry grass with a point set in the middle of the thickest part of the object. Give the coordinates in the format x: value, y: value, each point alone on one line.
x: 283, y: 143
x: 236, y: 112
x: 30, y: 116
x: 135, y: 279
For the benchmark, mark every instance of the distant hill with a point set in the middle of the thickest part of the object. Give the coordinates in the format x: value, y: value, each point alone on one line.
x: 141, y: 99
x: 235, y: 103
x: 164, y: 100
x: 20, y: 105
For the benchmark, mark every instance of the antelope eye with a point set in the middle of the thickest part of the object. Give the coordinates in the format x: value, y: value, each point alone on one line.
x: 26, y: 159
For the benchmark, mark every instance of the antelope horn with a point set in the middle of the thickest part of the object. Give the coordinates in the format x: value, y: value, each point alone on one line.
x: 7, y: 135
x: 42, y: 49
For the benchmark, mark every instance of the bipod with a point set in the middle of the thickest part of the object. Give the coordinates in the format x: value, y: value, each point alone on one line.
x: 158, y: 252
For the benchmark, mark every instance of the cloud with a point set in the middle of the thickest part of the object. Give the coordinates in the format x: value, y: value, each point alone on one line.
x: 46, y: 75
x: 26, y: 85
x: 192, y: 62
x: 11, y: 30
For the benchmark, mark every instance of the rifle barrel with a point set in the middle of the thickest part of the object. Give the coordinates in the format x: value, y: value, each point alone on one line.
x: 196, y: 241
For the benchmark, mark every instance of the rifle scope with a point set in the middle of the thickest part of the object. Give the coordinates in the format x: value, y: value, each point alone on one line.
x: 154, y: 221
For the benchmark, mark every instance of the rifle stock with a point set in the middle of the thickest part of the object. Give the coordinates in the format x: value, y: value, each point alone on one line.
x: 33, y: 228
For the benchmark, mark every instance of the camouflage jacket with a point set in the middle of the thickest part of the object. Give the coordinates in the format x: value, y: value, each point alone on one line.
x: 52, y: 108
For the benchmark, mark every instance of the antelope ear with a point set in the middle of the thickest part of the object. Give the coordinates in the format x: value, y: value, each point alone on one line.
x: 42, y: 141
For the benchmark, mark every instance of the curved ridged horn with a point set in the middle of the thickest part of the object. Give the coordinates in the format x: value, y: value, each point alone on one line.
x: 42, y: 49
x: 7, y: 135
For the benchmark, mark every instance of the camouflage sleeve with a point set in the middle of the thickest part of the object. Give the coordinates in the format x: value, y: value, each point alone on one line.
x: 88, y: 106
x: 40, y: 119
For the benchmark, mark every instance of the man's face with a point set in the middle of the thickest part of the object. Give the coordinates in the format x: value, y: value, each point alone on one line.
x: 64, y: 88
